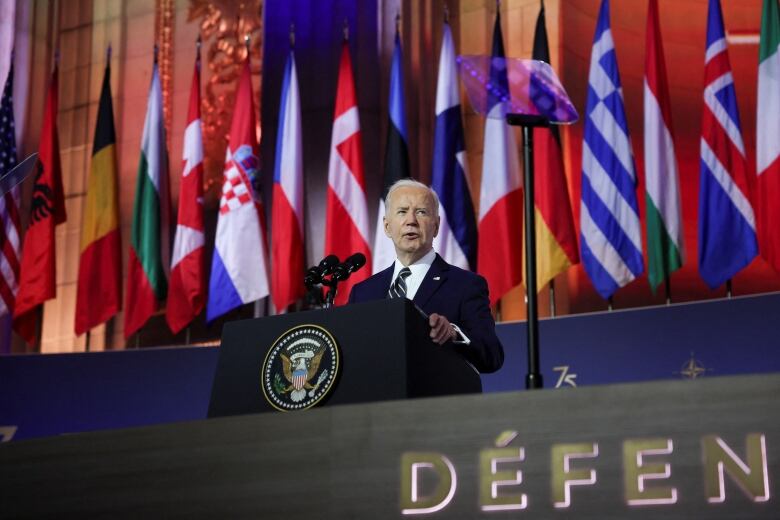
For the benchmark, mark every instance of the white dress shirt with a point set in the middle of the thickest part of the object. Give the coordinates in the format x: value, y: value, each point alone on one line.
x: 419, y: 270
x: 413, y: 281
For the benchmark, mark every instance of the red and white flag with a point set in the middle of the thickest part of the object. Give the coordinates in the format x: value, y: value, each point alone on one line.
x: 346, y: 227
x: 187, y: 288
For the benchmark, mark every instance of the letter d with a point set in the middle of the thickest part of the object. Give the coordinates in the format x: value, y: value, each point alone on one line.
x: 418, y: 469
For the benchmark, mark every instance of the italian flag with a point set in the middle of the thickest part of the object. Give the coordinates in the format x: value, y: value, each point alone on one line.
x: 149, y: 245
x: 664, y: 225
x: 768, y: 136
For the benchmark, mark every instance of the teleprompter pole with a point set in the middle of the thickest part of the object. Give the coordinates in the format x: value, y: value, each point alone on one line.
x: 533, y: 378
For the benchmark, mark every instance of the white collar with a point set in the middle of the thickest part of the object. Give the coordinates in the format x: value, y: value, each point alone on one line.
x: 421, y: 265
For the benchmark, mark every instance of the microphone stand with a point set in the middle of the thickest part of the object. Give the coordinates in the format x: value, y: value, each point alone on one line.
x: 332, y: 283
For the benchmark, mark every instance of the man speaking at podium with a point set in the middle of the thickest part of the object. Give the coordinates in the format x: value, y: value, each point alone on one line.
x: 455, y: 300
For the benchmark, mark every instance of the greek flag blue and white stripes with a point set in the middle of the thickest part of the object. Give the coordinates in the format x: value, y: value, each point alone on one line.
x: 457, y: 238
x: 610, y: 236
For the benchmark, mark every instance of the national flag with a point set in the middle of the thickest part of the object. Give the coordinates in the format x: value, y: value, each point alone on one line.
x: 147, y: 285
x: 287, y: 245
x: 37, y: 280
x: 768, y: 135
x: 499, y: 254
x: 239, y: 271
x: 99, y: 291
x: 396, y: 157
x: 187, y: 287
x: 346, y: 225
x: 556, y: 239
x: 10, y: 229
x: 664, y: 221
x: 727, y: 225
x: 457, y: 238
x: 610, y: 236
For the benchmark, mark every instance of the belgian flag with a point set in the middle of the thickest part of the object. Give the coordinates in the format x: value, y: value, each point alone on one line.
x: 99, y: 293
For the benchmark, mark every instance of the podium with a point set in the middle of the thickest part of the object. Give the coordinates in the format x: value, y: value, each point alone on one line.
x: 384, y: 353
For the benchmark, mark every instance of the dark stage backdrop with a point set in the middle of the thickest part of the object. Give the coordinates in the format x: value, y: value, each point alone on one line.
x: 68, y: 393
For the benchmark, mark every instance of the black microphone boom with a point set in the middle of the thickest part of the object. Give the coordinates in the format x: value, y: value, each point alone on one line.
x: 325, y: 267
x: 349, y: 266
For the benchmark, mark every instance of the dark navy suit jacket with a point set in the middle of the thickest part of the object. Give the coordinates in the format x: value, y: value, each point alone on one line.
x: 461, y: 296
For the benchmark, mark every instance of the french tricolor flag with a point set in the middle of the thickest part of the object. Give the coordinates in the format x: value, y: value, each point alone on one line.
x: 287, y: 214
x: 500, y: 224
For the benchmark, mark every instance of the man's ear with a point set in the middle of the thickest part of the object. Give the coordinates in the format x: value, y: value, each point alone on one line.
x: 386, y: 226
x: 436, y: 230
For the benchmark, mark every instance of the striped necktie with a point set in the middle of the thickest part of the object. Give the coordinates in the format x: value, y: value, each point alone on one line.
x: 398, y: 289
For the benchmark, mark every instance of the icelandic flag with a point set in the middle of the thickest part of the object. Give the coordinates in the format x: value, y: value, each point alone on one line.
x: 457, y: 238
x: 727, y: 225
x: 238, y: 267
x: 287, y: 214
x: 610, y: 235
x: 396, y: 158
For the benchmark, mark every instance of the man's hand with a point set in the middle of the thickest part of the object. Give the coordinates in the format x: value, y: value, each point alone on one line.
x: 442, y: 330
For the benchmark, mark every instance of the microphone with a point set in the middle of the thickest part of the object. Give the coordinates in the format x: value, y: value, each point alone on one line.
x: 350, y: 265
x: 325, y: 267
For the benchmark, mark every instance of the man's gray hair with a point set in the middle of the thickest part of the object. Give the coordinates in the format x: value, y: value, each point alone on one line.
x: 411, y: 183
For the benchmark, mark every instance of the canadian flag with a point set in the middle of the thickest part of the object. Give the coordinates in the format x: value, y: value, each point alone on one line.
x: 187, y: 288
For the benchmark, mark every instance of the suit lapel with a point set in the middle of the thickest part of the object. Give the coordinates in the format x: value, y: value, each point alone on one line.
x: 434, y: 278
x: 382, y: 285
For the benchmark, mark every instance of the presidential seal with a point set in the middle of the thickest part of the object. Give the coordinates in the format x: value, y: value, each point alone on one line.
x: 300, y: 368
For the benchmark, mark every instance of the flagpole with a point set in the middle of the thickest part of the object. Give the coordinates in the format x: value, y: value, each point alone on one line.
x: 552, y: 298
x: 668, y: 287
x: 533, y: 378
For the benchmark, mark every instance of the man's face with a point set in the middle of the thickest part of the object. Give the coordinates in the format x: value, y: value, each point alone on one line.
x: 411, y: 221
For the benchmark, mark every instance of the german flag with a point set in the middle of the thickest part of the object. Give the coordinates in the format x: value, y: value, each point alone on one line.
x: 556, y: 239
x: 99, y: 293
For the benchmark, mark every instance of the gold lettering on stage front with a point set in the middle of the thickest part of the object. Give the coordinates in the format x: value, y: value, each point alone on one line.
x: 751, y: 475
x: 418, y: 471
x: 637, y: 471
x: 564, y: 476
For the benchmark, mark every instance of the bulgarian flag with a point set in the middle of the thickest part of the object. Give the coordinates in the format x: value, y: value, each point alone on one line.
x: 664, y: 224
x: 768, y: 135
x: 149, y: 249
x: 99, y: 291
